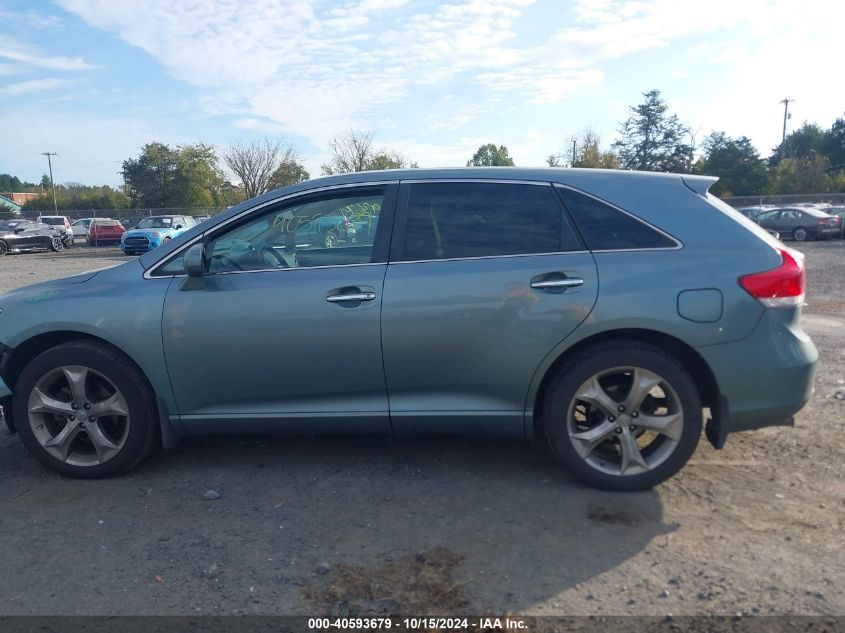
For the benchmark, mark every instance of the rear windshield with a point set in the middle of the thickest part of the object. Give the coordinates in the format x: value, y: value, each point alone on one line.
x: 53, y: 221
x: 106, y: 223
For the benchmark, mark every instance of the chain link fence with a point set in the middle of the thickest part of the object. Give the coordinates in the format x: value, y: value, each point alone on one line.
x: 832, y: 199
x: 130, y: 215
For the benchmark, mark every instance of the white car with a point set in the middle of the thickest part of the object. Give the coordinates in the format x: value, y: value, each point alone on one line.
x: 79, y: 228
x: 61, y: 221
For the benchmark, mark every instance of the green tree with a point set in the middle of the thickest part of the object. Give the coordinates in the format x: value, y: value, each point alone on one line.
x: 289, y: 172
x: 184, y: 176
x: 9, y: 183
x: 736, y: 162
x: 491, y: 156
x: 801, y: 175
x: 809, y: 138
x: 653, y: 139
x: 73, y: 195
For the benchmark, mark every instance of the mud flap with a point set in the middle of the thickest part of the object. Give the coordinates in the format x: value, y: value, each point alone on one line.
x: 716, y: 429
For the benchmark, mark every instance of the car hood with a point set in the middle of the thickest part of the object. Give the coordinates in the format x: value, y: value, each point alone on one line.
x: 147, y: 232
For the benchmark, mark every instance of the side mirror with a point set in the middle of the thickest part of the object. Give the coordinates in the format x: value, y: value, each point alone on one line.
x: 20, y: 230
x: 195, y: 260
x: 178, y: 227
x: 194, y: 263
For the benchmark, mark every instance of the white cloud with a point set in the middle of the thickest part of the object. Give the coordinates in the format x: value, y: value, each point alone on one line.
x: 8, y: 51
x: 33, y: 85
x: 315, y: 67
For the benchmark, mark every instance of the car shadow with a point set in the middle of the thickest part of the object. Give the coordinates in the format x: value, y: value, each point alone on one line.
x: 497, y: 523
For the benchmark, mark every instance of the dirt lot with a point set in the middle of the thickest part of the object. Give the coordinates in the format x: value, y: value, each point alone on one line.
x: 339, y: 525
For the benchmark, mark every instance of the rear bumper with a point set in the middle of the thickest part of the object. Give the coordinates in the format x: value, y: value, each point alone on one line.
x: 765, y: 378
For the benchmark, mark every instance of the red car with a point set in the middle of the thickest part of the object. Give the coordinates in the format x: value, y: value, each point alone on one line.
x: 104, y: 231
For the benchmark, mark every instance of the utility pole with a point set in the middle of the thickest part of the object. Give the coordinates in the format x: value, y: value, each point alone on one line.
x: 785, y: 103
x: 574, y: 154
x: 52, y: 184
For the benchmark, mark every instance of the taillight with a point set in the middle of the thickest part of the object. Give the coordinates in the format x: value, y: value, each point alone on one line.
x: 781, y: 286
x: 822, y: 220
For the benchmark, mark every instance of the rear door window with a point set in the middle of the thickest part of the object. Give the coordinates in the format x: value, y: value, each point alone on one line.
x: 606, y: 228
x: 450, y: 220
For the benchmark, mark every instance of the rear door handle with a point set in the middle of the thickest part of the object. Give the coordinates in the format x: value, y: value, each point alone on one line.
x: 353, y: 296
x: 567, y: 282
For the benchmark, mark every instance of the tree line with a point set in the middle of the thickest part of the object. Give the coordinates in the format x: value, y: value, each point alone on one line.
x: 810, y: 160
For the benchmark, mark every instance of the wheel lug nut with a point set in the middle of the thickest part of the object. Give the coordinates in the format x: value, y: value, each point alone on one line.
x: 632, y: 428
x: 71, y: 418
x: 621, y: 408
x: 611, y: 418
x: 618, y: 430
x: 74, y: 406
x: 87, y: 406
x: 635, y: 414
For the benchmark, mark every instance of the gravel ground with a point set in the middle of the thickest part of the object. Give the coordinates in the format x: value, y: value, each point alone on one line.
x: 339, y: 525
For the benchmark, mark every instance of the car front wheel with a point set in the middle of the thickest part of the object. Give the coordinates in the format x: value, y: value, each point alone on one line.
x: 56, y: 245
x: 85, y: 410
x: 622, y: 416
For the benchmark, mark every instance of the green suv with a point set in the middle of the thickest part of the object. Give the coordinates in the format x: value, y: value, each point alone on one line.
x: 618, y: 315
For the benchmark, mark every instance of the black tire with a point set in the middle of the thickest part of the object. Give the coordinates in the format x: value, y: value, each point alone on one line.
x: 56, y: 245
x: 143, y: 427
x: 603, y: 356
x: 4, y: 248
x: 68, y: 242
x: 800, y: 234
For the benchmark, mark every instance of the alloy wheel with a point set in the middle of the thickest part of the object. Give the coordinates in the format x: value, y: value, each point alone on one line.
x: 4, y: 248
x: 625, y: 421
x: 78, y: 416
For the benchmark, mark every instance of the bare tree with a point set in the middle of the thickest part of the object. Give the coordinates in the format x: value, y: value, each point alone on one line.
x: 256, y: 162
x: 353, y: 151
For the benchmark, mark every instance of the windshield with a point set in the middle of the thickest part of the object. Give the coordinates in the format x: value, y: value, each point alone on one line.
x: 155, y: 223
x: 8, y: 225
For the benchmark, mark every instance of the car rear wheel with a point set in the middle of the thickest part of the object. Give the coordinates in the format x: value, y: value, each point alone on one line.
x: 622, y: 416
x: 85, y: 410
x: 4, y: 248
x: 799, y: 234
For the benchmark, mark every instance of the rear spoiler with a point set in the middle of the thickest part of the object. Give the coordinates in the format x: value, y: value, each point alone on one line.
x: 699, y: 184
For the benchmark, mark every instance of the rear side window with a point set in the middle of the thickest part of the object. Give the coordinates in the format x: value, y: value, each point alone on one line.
x: 464, y: 219
x: 605, y: 228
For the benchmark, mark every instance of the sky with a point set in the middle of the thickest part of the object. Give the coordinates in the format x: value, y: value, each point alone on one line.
x: 94, y: 80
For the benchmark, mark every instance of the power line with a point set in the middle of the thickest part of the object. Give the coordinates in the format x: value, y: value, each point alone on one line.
x: 52, y: 184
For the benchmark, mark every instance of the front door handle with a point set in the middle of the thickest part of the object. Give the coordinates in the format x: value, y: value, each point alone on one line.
x: 566, y: 282
x: 353, y: 296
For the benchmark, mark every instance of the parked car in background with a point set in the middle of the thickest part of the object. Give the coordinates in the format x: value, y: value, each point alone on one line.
x: 80, y: 228
x: 752, y: 212
x: 602, y: 311
x: 152, y: 232
x: 63, y: 223
x: 103, y: 231
x: 800, y: 223
x: 25, y: 235
x: 839, y: 212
